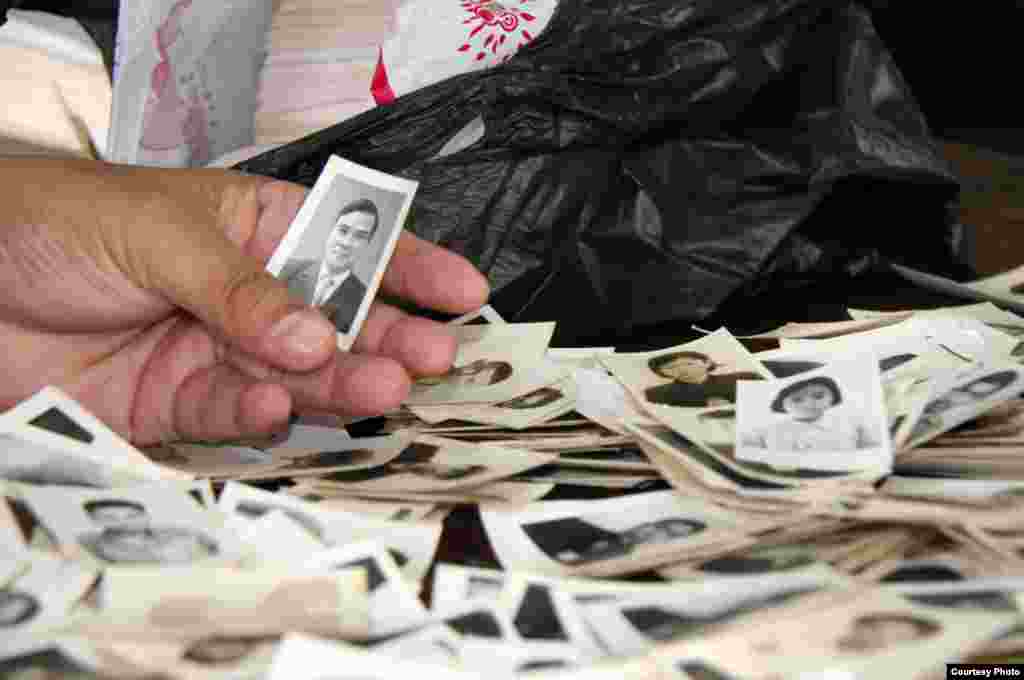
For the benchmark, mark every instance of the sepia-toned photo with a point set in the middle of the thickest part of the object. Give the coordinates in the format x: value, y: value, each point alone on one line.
x: 832, y: 419
x: 337, y: 248
x: 493, y: 363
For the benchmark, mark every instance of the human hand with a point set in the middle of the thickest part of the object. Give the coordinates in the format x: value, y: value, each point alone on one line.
x: 141, y: 292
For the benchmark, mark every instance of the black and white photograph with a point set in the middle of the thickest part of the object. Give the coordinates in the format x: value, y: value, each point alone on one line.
x: 606, y: 537
x: 831, y: 418
x: 62, y: 434
x: 543, y: 612
x: 511, y: 659
x: 167, y: 545
x: 484, y: 620
x: 966, y: 396
x: 393, y: 605
x: 227, y: 601
x: 12, y: 538
x: 219, y: 461
x: 434, y: 643
x: 633, y: 623
x: 415, y: 541
x: 453, y: 584
x: 39, y: 599
x: 436, y: 464
x: 493, y: 363
x: 144, y: 524
x: 301, y: 657
x: 358, y: 457
x: 17, y: 607
x: 338, y: 246
x: 758, y: 561
x: 696, y: 375
x: 555, y: 398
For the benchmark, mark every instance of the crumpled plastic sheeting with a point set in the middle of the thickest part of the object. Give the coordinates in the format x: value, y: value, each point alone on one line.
x: 641, y: 162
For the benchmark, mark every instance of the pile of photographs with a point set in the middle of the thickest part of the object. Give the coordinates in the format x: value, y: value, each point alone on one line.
x: 850, y: 501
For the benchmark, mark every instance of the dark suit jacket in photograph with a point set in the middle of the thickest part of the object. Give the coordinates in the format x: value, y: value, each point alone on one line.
x: 572, y: 540
x: 717, y: 386
x: 341, y: 308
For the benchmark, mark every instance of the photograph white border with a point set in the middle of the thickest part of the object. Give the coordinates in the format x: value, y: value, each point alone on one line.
x: 337, y: 166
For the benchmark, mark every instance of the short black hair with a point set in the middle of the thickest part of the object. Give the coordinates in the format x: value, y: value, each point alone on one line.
x: 891, y: 362
x: 360, y: 205
x: 837, y: 396
x: 658, y: 362
x: 502, y: 369
x: 100, y: 504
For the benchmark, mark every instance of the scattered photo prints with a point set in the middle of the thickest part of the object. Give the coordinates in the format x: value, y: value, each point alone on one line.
x: 39, y: 600
x: 356, y: 457
x: 606, y: 537
x: 69, y: 443
x: 339, y: 244
x: 434, y: 464
x: 697, y: 374
x: 433, y: 643
x: 137, y: 525
x: 411, y: 544
x: 493, y: 362
x: 454, y: 584
x: 541, y: 612
x: 831, y: 419
x: 965, y: 396
x: 393, y: 606
x: 302, y: 657
x: 205, y: 601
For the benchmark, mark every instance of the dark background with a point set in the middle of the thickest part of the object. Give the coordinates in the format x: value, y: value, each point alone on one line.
x: 959, y: 58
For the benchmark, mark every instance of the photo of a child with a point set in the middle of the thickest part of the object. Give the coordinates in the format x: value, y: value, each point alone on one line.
x: 830, y: 419
x: 811, y: 425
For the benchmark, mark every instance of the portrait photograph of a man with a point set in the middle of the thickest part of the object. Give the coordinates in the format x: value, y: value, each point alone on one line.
x: 338, y: 246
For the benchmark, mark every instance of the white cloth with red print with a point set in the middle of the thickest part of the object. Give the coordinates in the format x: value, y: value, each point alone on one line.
x: 437, y: 39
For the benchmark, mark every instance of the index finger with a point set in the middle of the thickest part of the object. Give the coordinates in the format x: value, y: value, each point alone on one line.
x: 434, y: 277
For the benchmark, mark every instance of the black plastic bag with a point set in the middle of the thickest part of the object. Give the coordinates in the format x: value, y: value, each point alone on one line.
x: 641, y: 163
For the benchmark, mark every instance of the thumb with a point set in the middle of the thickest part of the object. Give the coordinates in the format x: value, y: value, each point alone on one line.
x: 208, y: 265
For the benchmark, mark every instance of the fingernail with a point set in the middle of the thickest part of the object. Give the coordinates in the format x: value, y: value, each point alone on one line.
x: 301, y: 332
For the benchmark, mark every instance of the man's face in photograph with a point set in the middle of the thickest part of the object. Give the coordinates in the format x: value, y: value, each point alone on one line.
x: 166, y: 545
x: 351, y: 233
